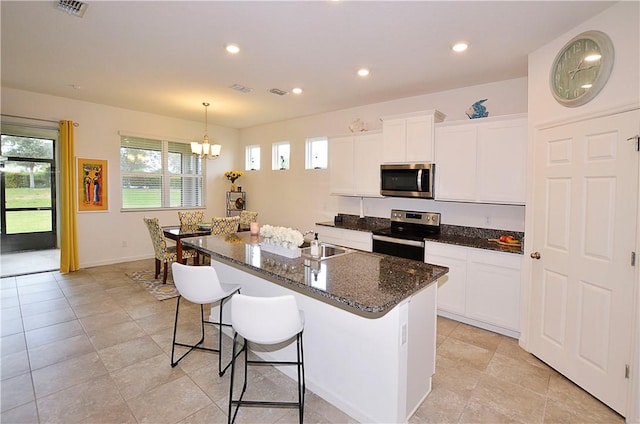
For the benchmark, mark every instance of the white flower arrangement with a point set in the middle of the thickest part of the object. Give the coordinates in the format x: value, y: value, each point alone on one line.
x: 281, y: 236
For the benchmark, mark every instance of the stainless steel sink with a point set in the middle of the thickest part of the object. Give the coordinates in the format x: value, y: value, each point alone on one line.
x: 326, y: 251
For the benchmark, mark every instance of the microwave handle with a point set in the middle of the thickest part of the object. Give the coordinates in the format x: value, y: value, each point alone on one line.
x: 419, y: 180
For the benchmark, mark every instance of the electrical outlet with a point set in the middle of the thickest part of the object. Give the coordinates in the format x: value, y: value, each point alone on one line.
x: 124, y: 243
x: 487, y: 220
x: 404, y: 333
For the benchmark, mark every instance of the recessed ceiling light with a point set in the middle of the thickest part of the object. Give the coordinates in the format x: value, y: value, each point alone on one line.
x: 460, y: 46
x: 297, y: 90
x: 232, y: 48
x: 363, y: 72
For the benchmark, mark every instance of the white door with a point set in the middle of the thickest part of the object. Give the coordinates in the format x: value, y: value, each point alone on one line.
x: 585, y: 209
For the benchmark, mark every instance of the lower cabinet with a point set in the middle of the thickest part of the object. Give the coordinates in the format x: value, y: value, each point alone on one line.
x: 353, y: 239
x: 482, y: 287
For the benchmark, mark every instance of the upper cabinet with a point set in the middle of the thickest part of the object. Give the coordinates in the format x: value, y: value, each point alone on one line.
x: 354, y: 164
x: 408, y: 138
x: 482, y: 161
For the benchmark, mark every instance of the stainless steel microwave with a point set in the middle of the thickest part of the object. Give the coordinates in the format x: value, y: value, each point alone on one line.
x: 407, y: 180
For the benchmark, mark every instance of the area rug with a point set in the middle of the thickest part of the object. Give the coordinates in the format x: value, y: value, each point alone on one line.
x: 154, y: 286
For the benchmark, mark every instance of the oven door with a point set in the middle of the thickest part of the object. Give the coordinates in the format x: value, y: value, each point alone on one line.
x: 410, y: 249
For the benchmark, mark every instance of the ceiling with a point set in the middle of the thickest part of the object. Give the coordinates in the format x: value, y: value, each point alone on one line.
x: 167, y: 57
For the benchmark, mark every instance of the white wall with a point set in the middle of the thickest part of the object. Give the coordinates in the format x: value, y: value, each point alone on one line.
x: 299, y: 198
x: 620, y: 23
x: 101, y: 235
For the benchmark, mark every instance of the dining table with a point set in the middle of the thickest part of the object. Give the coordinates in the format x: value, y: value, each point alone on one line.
x: 177, y: 233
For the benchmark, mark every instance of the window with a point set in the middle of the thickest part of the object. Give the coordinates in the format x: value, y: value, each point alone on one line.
x: 280, y: 156
x: 252, y: 158
x: 316, y: 153
x: 159, y: 174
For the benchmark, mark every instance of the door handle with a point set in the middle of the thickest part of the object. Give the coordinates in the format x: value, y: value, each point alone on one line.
x: 535, y: 255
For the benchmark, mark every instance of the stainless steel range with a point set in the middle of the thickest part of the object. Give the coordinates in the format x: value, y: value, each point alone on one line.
x: 405, y: 237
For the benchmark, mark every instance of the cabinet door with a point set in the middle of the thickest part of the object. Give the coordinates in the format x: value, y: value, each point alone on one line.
x: 419, y: 139
x: 455, y: 158
x: 341, y: 165
x: 493, y: 288
x: 394, y: 148
x: 502, y: 161
x: 353, y: 239
x: 367, y: 152
x: 452, y: 287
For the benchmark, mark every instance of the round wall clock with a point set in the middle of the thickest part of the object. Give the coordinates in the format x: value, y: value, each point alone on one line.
x: 581, y: 68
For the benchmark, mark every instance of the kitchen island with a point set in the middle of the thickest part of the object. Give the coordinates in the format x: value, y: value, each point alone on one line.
x: 370, y: 321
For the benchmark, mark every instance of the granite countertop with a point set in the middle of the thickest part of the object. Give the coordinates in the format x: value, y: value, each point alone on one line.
x: 366, y: 284
x: 450, y: 234
x: 476, y: 242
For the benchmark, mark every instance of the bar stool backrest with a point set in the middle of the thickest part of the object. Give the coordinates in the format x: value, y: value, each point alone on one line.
x: 266, y: 320
x: 198, y: 284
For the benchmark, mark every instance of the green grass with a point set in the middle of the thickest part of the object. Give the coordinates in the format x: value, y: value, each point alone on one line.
x: 28, y: 221
x: 34, y: 221
x: 28, y: 197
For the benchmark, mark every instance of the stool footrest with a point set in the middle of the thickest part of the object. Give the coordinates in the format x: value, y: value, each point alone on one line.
x: 265, y: 403
x: 272, y: 362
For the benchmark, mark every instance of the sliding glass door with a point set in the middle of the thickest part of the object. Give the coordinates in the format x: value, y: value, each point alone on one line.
x: 27, y: 191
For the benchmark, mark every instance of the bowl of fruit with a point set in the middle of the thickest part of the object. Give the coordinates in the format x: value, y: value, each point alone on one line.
x: 507, y: 241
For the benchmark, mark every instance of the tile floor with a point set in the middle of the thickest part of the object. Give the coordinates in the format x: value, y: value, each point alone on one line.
x: 93, y: 347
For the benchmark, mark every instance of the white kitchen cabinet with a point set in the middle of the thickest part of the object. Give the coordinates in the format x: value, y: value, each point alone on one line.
x: 483, y: 162
x: 482, y: 287
x: 361, y: 240
x: 493, y: 288
x: 408, y: 138
x: 451, y: 287
x: 354, y: 163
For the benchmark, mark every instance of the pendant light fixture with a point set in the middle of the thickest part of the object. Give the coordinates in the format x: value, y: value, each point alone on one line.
x: 205, y: 150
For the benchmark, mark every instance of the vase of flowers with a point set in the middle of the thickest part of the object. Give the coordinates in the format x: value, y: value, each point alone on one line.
x: 281, y: 241
x: 233, y: 176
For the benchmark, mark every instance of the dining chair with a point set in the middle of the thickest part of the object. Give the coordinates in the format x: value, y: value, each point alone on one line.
x: 266, y: 321
x: 165, y: 254
x: 200, y: 285
x: 190, y: 219
x: 224, y: 225
x: 246, y: 218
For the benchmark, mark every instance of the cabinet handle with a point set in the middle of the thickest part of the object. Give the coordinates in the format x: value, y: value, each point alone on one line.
x: 535, y: 255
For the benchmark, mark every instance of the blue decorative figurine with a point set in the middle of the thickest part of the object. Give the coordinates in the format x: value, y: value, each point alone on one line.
x: 477, y: 110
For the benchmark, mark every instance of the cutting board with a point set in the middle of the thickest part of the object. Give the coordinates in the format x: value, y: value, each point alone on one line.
x: 502, y: 243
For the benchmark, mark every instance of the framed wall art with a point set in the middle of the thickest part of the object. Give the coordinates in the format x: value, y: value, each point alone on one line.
x: 92, y: 185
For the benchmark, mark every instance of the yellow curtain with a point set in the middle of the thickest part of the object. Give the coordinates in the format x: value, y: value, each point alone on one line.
x: 68, y: 227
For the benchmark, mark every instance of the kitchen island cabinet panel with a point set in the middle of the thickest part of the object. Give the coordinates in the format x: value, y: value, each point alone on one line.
x: 370, y: 321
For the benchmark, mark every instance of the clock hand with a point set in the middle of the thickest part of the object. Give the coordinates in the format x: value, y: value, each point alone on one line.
x: 575, y: 71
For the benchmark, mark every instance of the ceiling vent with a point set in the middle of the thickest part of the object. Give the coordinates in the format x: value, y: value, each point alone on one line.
x: 278, y: 92
x: 241, y: 88
x: 73, y: 7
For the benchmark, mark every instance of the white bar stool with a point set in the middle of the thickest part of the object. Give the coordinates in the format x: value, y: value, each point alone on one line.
x: 266, y: 321
x: 200, y: 285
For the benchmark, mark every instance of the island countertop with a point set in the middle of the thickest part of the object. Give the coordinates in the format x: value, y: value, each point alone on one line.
x: 366, y: 284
